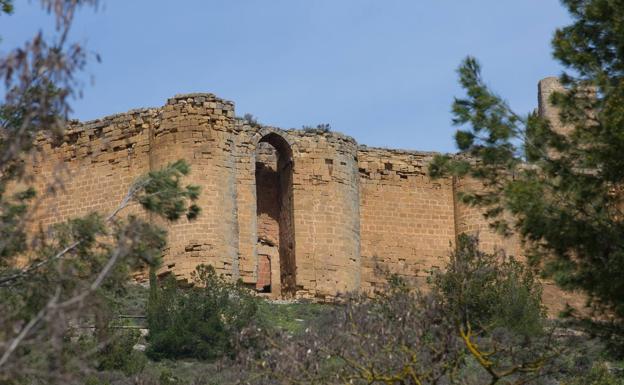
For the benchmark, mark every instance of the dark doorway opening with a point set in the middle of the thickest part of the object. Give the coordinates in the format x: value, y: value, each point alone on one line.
x: 275, y: 225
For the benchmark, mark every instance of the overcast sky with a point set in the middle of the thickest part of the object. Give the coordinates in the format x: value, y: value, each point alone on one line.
x: 381, y: 71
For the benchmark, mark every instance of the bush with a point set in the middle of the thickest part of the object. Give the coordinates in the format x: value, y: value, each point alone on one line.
x: 198, y: 322
x: 251, y: 120
x: 489, y: 291
x: 119, y: 354
x: 401, y: 337
x: 322, y: 128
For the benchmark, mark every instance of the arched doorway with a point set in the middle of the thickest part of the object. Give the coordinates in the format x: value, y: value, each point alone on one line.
x: 274, y: 209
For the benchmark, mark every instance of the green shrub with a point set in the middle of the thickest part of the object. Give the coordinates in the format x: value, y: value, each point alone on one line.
x: 118, y: 353
x: 322, y: 128
x: 488, y: 291
x: 198, y: 322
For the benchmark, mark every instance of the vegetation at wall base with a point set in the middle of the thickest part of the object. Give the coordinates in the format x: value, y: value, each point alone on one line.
x: 198, y: 322
x: 488, y: 291
x: 481, y: 321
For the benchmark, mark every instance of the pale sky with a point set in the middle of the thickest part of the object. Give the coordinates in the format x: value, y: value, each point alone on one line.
x: 382, y: 72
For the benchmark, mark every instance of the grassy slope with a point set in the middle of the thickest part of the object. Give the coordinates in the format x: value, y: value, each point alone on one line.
x: 291, y: 317
x: 294, y: 317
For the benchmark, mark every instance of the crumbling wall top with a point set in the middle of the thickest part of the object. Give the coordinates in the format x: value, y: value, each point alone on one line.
x: 199, y: 98
x: 392, y: 151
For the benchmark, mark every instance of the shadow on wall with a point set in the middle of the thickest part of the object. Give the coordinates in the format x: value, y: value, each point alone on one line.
x: 276, y: 269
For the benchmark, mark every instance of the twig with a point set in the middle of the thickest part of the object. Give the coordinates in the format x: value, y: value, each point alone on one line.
x: 37, y: 265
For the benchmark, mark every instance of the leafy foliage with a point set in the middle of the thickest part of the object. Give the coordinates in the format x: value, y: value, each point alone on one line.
x: 6, y: 6
x: 119, y: 354
x: 495, y: 302
x: 322, y: 128
x: 12, y: 212
x: 489, y: 291
x: 563, y: 188
x: 481, y: 322
x: 161, y: 192
x: 198, y: 322
x: 401, y: 337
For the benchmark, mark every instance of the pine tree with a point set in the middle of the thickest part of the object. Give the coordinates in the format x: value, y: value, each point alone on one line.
x: 565, y: 190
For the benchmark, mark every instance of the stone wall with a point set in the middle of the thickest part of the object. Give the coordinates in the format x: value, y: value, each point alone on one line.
x: 93, y: 167
x: 326, y: 213
x: 407, y: 219
x: 302, y: 213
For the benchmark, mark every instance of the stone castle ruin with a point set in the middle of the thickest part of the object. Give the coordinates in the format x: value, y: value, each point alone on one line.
x: 302, y: 213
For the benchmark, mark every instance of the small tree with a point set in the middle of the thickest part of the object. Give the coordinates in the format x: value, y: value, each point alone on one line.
x: 490, y: 291
x: 495, y: 302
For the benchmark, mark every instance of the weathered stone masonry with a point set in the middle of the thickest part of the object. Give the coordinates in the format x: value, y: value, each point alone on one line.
x: 290, y: 212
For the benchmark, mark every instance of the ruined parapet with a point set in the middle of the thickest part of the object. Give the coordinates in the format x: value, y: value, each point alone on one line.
x: 92, y: 168
x: 98, y: 161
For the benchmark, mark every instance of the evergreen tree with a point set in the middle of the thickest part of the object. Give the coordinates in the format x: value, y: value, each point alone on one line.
x: 565, y: 190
